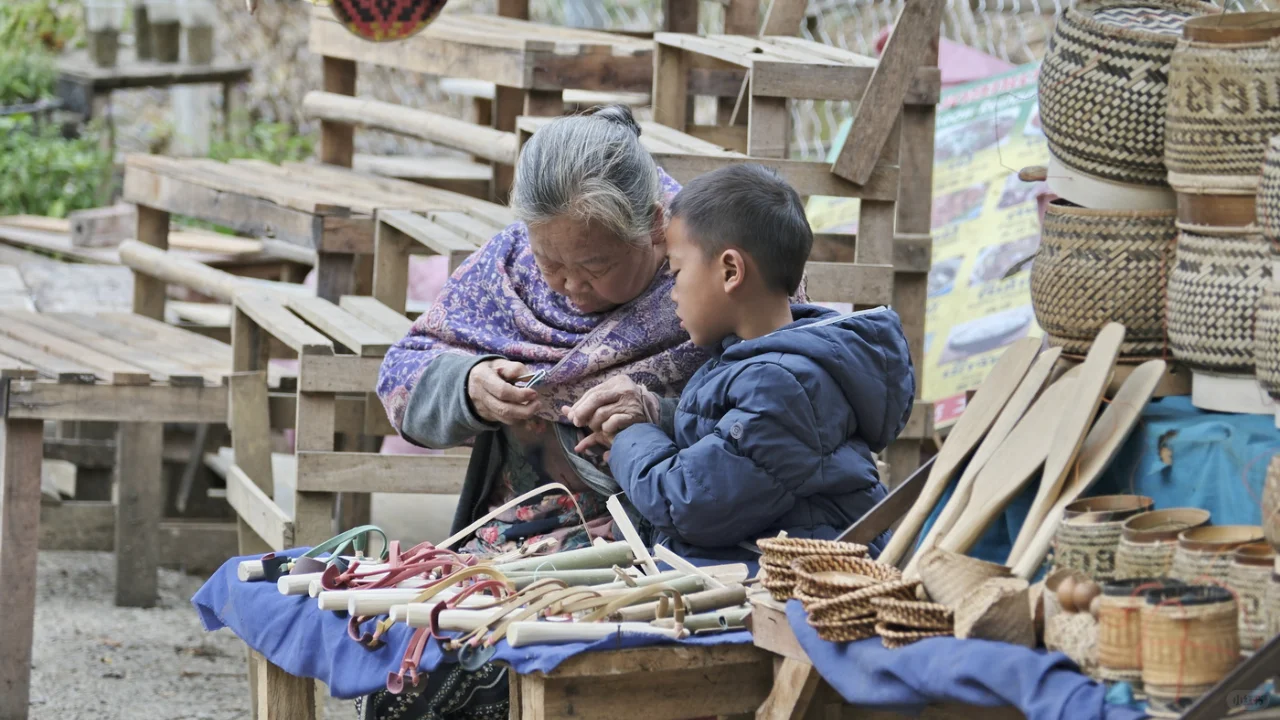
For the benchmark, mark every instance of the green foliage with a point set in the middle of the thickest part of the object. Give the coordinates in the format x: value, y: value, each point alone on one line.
x: 51, y: 24
x: 274, y: 142
x: 46, y: 174
x: 26, y: 76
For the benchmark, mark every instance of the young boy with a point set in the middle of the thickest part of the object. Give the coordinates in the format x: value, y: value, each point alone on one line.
x: 776, y: 431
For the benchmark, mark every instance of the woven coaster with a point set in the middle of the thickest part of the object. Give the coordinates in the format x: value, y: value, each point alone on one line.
x: 896, y: 636
x: 913, y: 614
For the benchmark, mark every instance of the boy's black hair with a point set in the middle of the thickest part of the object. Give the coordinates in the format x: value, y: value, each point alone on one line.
x: 749, y: 207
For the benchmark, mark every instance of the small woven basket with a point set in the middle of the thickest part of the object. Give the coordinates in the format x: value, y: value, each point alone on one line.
x: 785, y: 550
x: 1189, y: 641
x: 1088, y: 544
x: 897, y: 636
x: 1120, y: 628
x: 1204, y: 554
x: 1266, y: 341
x: 779, y: 580
x: 914, y: 614
x: 1249, y: 576
x: 1148, y: 541
x: 949, y: 577
x: 1103, y: 86
x: 1099, y: 266
x: 857, y: 604
x: 1217, y: 277
x: 1218, y: 125
x: 845, y: 630
x: 821, y: 577
x: 1268, y: 201
x: 1271, y: 504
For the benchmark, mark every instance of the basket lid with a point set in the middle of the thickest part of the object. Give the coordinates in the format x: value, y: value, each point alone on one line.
x: 1258, y: 554
x: 1232, y: 28
x: 1138, y: 586
x: 1109, y: 508
x: 1219, y: 538
x: 1091, y: 191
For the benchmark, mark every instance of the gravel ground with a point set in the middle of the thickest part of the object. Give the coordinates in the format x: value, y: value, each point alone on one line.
x: 95, y: 660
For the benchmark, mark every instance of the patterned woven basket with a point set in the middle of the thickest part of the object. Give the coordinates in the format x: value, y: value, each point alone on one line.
x: 914, y: 614
x: 896, y: 636
x: 1088, y: 544
x: 857, y: 604
x: 1099, y: 266
x: 1218, y: 275
x: 1103, y: 86
x: 1189, y: 641
x: 1148, y: 541
x: 1221, y: 113
x: 822, y: 577
x: 1271, y: 504
x: 1204, y: 554
x: 784, y: 550
x: 1266, y: 341
x: 1268, y: 203
x: 1120, y: 628
x: 949, y: 577
x: 1249, y: 576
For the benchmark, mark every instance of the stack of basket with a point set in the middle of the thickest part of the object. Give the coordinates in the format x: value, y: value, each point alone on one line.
x: 1266, y: 330
x: 838, y: 595
x: 778, y: 554
x: 1221, y: 116
x: 1107, y: 245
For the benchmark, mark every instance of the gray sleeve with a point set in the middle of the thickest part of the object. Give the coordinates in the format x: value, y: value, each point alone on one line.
x: 667, y: 415
x: 439, y: 414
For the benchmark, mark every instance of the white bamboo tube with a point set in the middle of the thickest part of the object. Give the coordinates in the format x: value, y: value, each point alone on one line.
x: 521, y: 634
x: 338, y: 599
x: 457, y: 620
x: 596, y: 556
x: 379, y: 602
x: 250, y: 571
x: 296, y: 584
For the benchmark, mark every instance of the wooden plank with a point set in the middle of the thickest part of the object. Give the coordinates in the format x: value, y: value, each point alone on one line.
x: 185, y: 348
x: 849, y: 282
x: 104, y: 226
x: 130, y: 73
x: 16, y: 369
x: 365, y: 472
x: 342, y: 326
x: 432, y: 234
x: 426, y: 198
x: 671, y: 87
x: 61, y: 226
x: 84, y: 454
x: 912, y: 253
x: 162, y: 368
x: 352, y: 415
x: 836, y: 82
x: 290, y: 252
x: 472, y: 231
x: 112, y: 370
x: 273, y: 317
x: 808, y: 178
x: 770, y: 629
x: 139, y: 505
x: 251, y: 429
x: 61, y: 369
x: 19, y: 533
x: 768, y: 127
x: 227, y: 178
x: 116, y: 403
x: 258, y: 510
x: 376, y: 315
x: 316, y: 426
x: 686, y: 141
x: 47, y: 242
x: 338, y: 373
x: 282, y: 696
x: 881, y: 104
x: 794, y: 685
x: 392, y: 248
x: 337, y: 140
x: 65, y: 287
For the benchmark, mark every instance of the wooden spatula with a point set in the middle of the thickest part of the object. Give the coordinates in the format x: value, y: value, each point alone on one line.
x: 1074, y: 424
x: 1013, y: 411
x: 1097, y: 452
x: 1013, y: 465
x: 965, y: 436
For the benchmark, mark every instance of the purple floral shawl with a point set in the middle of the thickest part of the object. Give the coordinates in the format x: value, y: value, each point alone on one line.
x: 498, y: 303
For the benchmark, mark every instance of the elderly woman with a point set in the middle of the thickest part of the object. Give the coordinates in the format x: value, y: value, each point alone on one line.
x: 580, y: 289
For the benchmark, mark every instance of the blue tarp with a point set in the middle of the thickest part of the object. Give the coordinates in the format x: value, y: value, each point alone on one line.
x: 295, y: 635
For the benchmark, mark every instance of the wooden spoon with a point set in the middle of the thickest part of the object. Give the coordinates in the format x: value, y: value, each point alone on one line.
x: 1014, y: 464
x: 1097, y: 452
x: 1013, y: 411
x: 965, y: 436
x: 1074, y: 424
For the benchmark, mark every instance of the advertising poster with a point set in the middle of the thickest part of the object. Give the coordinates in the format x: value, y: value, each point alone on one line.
x: 985, y: 221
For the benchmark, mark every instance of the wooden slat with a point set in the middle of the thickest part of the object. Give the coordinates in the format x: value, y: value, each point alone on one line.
x: 376, y: 315
x: 188, y: 349
x: 430, y: 234
x: 338, y: 373
x: 275, y: 319
x: 162, y: 368
x: 112, y: 370
x: 836, y: 82
x: 426, y: 198
x: 139, y: 506
x: 14, y: 368
x: 290, y: 252
x: 476, y: 231
x: 365, y: 472
x: 117, y: 403
x: 808, y: 178
x: 258, y: 511
x: 849, y: 282
x: 61, y: 369
x: 342, y: 326
x: 685, y: 141
x: 227, y: 178
x: 19, y: 518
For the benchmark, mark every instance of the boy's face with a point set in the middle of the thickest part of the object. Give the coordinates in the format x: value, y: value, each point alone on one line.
x: 702, y: 303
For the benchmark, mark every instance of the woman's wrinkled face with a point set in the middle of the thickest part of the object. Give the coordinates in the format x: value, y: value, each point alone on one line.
x: 592, y: 267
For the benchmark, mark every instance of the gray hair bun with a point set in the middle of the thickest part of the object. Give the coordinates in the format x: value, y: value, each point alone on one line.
x: 618, y: 114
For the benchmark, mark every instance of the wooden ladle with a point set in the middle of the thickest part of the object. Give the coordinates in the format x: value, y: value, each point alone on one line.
x: 1077, y: 417
x: 965, y: 436
x: 1013, y: 411
x: 1097, y: 452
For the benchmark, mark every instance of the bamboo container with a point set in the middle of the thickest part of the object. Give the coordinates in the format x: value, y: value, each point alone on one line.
x: 1149, y: 540
x: 1204, y: 554
x: 1249, y: 576
x: 1120, y: 628
x: 1189, y: 642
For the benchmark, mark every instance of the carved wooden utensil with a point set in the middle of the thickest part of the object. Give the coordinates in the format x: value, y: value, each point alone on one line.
x: 1077, y: 418
x: 1013, y: 411
x: 1097, y: 452
x: 1013, y: 465
x: 965, y: 436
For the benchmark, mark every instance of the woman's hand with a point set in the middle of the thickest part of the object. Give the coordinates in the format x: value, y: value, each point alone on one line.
x: 495, y: 398
x: 611, y: 407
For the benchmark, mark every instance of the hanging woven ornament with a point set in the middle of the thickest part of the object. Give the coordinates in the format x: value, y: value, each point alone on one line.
x: 379, y: 20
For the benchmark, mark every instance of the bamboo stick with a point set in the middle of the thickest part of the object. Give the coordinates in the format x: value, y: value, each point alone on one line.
x: 522, y: 634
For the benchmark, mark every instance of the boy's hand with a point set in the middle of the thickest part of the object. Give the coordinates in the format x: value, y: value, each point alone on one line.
x: 613, y: 405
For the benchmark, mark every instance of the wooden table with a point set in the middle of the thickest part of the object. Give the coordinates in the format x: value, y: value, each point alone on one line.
x: 86, y: 88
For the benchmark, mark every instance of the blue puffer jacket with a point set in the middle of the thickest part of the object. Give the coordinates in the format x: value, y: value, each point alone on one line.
x: 773, y: 434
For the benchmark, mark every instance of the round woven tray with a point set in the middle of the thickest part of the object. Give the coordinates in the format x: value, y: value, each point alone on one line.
x: 826, y: 576
x: 1204, y: 554
x: 1216, y: 126
x: 1189, y: 640
x: 895, y: 636
x: 1099, y: 266
x: 786, y: 549
x: 857, y: 604
x: 1218, y: 276
x: 1249, y: 575
x: 845, y: 630
x: 914, y: 614
x: 1266, y: 341
x: 1103, y: 86
x: 1148, y: 541
x: 1268, y: 202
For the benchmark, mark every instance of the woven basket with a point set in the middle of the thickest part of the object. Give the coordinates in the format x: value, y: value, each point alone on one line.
x: 1266, y: 341
x: 821, y: 577
x: 857, y: 604
x: 896, y: 636
x: 1099, y: 266
x: 1221, y: 112
x: 1217, y: 277
x: 779, y: 580
x: 1271, y: 504
x: 1204, y: 554
x: 784, y: 550
x: 1120, y: 628
x: 1089, y: 545
x: 1076, y: 636
x: 914, y: 614
x: 845, y: 630
x: 1268, y: 202
x: 1148, y: 541
x: 1249, y: 576
x: 1000, y: 610
x: 1189, y: 641
x: 949, y: 577
x: 1273, y: 602
x: 1103, y: 86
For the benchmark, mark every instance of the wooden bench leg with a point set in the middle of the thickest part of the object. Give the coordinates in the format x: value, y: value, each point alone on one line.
x: 21, y: 447
x: 282, y: 696
x: 139, y: 505
x: 794, y: 683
